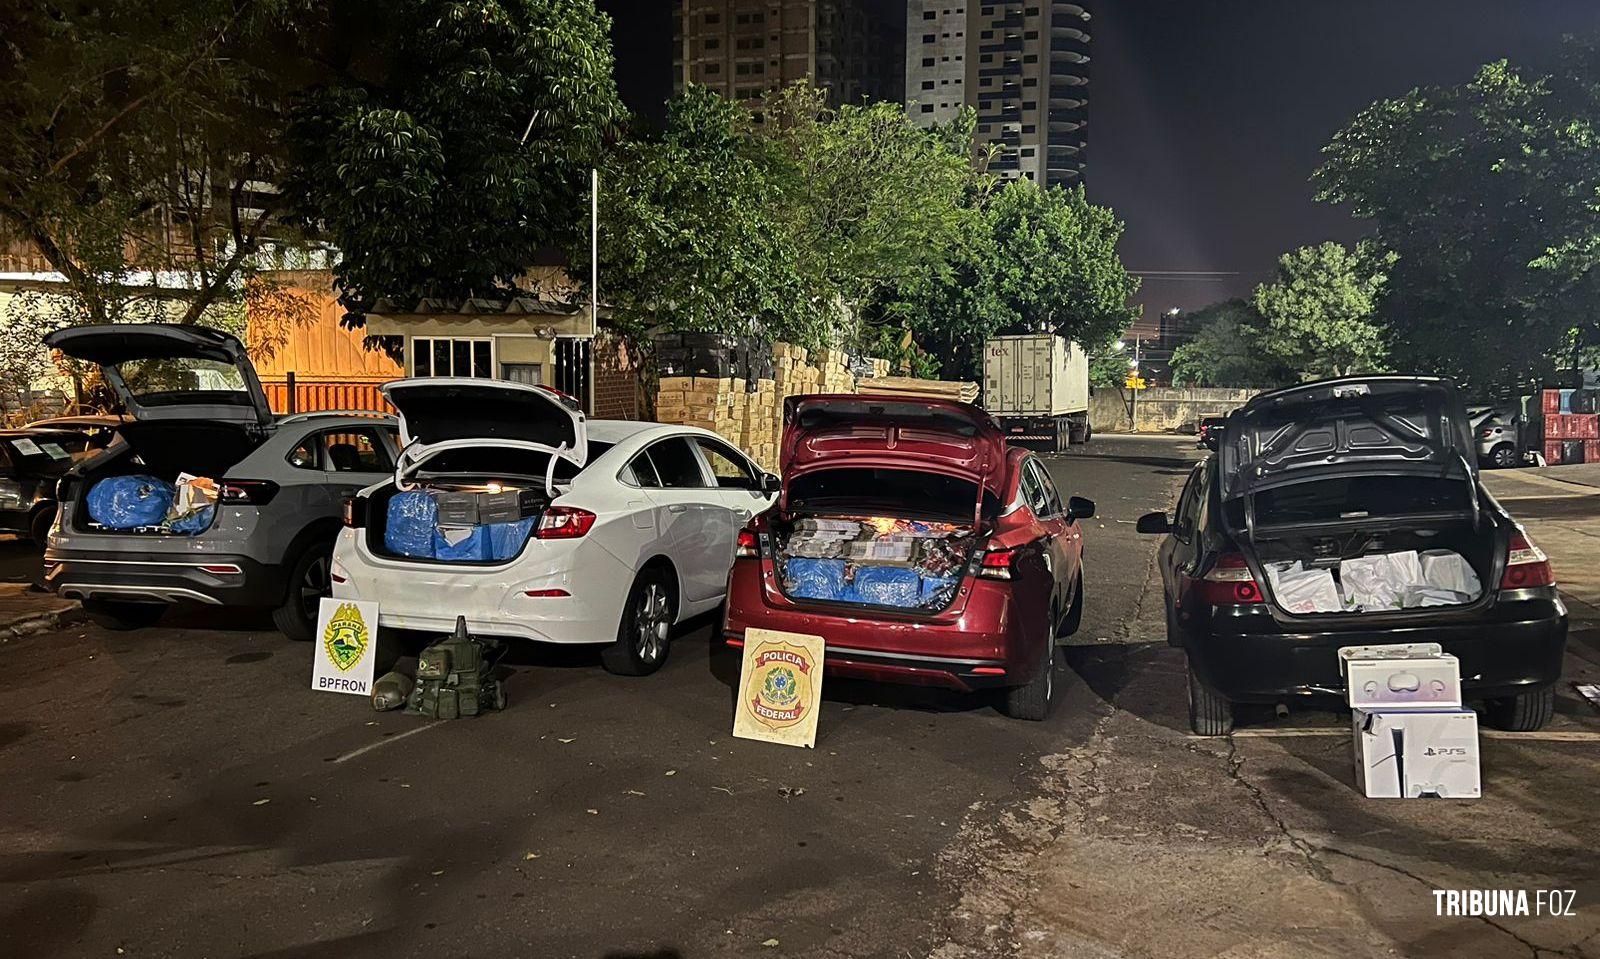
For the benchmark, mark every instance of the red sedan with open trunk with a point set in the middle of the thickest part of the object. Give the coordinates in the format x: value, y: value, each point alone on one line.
x: 918, y: 545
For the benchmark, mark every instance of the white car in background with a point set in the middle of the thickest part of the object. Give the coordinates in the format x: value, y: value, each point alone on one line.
x: 634, y: 532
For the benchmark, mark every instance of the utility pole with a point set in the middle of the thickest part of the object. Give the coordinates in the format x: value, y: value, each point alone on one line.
x: 1133, y: 403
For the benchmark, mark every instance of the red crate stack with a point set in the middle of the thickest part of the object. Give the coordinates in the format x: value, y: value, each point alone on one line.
x: 1591, y: 451
x: 1552, y: 452
x: 1552, y: 402
x: 1572, y: 426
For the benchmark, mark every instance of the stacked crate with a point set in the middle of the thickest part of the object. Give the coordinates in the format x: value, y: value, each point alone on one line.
x: 1571, y: 427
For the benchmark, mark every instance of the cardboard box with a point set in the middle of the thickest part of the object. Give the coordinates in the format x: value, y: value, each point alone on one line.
x: 1415, y: 754
x: 1408, y: 676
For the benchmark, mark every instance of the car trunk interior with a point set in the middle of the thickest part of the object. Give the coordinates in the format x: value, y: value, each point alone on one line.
x: 1369, y: 544
x: 877, y: 538
x: 474, y: 505
x: 158, y: 451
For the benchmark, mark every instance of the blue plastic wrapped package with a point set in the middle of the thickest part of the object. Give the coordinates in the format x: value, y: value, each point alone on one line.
x: 127, y: 502
x: 193, y: 523
x: 888, y: 586
x: 814, y: 578
x: 410, y: 526
x: 938, y: 591
x: 472, y: 548
x: 506, y: 539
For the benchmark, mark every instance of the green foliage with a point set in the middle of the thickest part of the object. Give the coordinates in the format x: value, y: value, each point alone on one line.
x: 1228, y: 347
x: 1318, y: 312
x: 134, y: 128
x: 1488, y: 192
x: 453, y: 143
x: 1109, y: 368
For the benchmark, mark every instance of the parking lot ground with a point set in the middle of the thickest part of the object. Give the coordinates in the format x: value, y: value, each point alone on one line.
x: 180, y: 791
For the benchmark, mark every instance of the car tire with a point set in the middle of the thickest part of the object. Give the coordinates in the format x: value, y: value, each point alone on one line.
x: 1074, y: 617
x: 308, y: 583
x: 39, y: 527
x: 122, y: 617
x: 1210, y: 714
x: 1032, y: 701
x: 1503, y: 457
x: 644, y: 636
x: 1524, y: 712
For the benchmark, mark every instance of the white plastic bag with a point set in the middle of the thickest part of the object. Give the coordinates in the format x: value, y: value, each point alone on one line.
x: 1300, y: 590
x: 1378, y: 582
x: 1449, y: 570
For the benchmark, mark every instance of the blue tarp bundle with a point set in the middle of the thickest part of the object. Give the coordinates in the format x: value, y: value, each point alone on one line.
x: 127, y: 502
x: 473, y: 549
x: 506, y: 539
x: 888, y: 586
x: 197, y: 522
x: 410, y: 527
x: 815, y: 578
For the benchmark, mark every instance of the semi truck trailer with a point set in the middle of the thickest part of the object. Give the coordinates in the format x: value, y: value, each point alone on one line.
x: 1037, y: 386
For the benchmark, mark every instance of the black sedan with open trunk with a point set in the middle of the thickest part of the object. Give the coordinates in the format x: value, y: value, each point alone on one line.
x: 1348, y: 513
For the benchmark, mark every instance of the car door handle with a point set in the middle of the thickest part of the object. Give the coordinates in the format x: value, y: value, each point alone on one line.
x: 677, y: 508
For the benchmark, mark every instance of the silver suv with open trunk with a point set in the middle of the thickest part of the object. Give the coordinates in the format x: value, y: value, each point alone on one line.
x: 277, y: 485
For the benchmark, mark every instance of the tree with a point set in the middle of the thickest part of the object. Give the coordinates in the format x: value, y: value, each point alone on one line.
x: 138, y: 133
x: 1318, y: 311
x: 452, y: 146
x: 1227, y: 348
x: 1487, y: 192
x: 1109, y: 368
x: 689, y: 237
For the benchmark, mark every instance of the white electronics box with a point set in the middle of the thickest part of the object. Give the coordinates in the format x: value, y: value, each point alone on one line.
x: 1404, y: 676
x: 1416, y: 753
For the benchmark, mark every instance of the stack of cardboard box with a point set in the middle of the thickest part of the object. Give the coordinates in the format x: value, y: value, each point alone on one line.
x: 1571, y: 427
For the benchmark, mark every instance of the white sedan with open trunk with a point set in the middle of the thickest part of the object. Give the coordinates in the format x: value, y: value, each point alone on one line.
x: 512, y: 509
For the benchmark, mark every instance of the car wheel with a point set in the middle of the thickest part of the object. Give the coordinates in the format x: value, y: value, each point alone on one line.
x: 644, y: 637
x: 1524, y: 712
x: 1074, y: 619
x: 110, y: 614
x: 39, y: 528
x: 1209, y: 713
x: 1503, y: 456
x: 309, y: 582
x: 1032, y: 702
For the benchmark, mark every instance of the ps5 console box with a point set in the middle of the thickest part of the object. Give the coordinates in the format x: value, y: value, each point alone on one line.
x: 1412, y: 753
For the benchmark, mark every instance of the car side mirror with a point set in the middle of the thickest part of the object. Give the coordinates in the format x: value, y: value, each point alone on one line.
x: 771, y: 483
x: 1154, y: 523
x: 1079, y: 507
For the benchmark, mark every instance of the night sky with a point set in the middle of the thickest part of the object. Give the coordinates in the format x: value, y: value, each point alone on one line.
x: 1207, y: 116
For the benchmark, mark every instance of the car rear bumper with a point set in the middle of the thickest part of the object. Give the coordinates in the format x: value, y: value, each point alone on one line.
x: 217, y: 579
x: 1517, y: 647
x: 984, y: 646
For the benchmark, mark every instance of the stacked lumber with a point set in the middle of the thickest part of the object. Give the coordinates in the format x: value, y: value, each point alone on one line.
x: 925, y: 389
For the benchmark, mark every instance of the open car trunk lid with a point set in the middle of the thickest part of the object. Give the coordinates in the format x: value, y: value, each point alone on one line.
x: 1374, y: 425
x: 926, y: 435
x: 443, y: 413
x: 161, y: 371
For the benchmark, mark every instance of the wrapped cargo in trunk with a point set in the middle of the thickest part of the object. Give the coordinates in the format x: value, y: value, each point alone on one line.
x: 165, y: 481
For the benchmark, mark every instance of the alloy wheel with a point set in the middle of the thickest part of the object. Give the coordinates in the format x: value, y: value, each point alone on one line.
x: 314, y: 585
x: 651, y: 622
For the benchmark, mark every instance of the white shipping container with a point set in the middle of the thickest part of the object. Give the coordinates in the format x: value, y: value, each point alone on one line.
x: 1036, y: 374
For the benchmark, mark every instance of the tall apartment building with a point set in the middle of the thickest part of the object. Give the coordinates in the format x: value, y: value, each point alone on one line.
x: 743, y: 48
x: 1022, y: 64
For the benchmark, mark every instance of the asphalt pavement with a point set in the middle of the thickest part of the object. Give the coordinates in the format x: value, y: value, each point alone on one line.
x: 181, y: 791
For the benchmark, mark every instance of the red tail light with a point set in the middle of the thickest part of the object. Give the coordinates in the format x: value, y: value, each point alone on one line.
x: 246, y: 492
x: 1526, y: 565
x: 1228, y: 583
x: 355, y: 512
x: 748, y: 546
x: 563, y: 522
x: 996, y: 564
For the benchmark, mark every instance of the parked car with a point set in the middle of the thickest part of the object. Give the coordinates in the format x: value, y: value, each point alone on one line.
x: 99, y: 429
x: 1498, y: 434
x: 995, y: 553
x: 195, y: 406
x: 629, y: 526
x: 32, y: 462
x: 1379, y: 473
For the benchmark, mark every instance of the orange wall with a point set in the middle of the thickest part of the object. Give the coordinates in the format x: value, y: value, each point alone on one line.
x: 323, y: 349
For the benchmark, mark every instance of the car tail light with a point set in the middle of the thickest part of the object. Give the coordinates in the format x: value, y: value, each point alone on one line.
x: 246, y: 492
x: 1229, y: 583
x: 1526, y: 565
x: 996, y: 564
x: 355, y: 512
x: 563, y: 522
x: 555, y: 593
x: 748, y: 546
